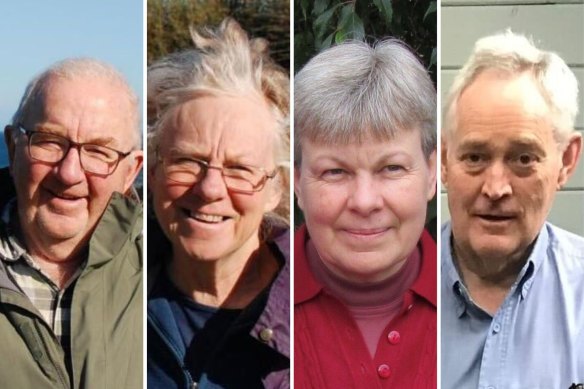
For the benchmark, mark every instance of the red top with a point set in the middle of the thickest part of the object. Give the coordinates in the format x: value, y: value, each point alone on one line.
x: 329, y: 350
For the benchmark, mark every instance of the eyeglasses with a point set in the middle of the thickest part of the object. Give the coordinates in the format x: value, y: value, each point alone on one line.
x: 51, y: 148
x: 238, y: 178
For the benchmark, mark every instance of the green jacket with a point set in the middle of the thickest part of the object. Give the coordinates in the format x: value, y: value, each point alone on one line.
x: 106, y: 315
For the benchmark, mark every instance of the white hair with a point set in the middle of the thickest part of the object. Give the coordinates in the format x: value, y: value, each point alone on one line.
x: 225, y: 61
x: 73, y: 69
x: 514, y: 54
x: 353, y: 91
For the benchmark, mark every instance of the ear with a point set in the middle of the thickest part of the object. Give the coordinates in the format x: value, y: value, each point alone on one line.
x: 274, y: 195
x: 10, y: 145
x: 443, y: 162
x: 570, y: 158
x: 432, y: 175
x: 133, y: 169
x: 298, y: 187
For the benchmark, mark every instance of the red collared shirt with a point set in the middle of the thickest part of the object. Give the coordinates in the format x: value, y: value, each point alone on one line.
x: 329, y: 350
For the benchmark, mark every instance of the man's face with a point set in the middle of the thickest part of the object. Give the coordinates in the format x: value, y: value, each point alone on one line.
x: 502, y: 167
x: 60, y: 203
x: 365, y: 204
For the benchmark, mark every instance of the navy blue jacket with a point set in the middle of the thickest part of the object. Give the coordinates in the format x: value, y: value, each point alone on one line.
x: 255, y: 351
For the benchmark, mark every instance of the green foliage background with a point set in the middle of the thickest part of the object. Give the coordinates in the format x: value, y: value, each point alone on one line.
x: 321, y: 23
x: 169, y: 20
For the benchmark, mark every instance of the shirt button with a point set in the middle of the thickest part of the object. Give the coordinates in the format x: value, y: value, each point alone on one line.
x: 410, y: 307
x: 394, y: 337
x: 266, y: 334
x: 496, y: 328
x: 384, y: 371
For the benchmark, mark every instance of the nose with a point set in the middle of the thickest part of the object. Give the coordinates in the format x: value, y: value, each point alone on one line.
x: 212, y: 186
x: 69, y: 170
x: 366, y: 196
x: 496, y: 184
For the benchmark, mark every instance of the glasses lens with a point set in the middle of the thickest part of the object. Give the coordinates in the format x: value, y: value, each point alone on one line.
x: 98, y: 159
x: 243, y: 178
x: 184, y: 171
x: 47, y: 148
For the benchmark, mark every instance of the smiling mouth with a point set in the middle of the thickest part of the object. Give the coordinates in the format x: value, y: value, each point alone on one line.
x: 64, y: 196
x: 206, y: 217
x: 366, y: 231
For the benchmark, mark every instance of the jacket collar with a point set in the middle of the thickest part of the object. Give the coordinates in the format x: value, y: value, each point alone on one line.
x: 307, y: 287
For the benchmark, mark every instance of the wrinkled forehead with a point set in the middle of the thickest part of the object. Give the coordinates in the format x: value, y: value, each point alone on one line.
x: 234, y: 122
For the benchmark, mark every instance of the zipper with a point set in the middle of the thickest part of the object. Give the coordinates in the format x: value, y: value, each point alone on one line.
x: 191, y: 384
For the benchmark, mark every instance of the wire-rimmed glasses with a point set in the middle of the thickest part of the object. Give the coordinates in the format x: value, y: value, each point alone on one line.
x: 237, y: 177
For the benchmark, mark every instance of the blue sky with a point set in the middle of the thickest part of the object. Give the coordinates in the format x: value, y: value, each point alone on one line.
x: 35, y: 34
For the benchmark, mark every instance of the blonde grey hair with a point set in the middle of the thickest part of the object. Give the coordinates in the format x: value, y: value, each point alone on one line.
x: 353, y: 91
x: 74, y: 69
x: 225, y: 61
x: 514, y: 54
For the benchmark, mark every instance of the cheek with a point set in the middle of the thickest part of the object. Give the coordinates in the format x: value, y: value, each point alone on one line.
x: 324, y: 203
x: 407, y: 201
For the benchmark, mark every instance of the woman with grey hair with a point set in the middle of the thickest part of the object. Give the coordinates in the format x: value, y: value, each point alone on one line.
x: 365, y: 169
x: 218, y: 166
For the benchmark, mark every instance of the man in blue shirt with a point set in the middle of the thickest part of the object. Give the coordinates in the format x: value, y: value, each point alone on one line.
x: 512, y: 284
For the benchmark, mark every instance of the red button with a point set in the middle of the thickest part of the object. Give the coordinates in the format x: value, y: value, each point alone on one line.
x: 384, y: 371
x: 394, y: 337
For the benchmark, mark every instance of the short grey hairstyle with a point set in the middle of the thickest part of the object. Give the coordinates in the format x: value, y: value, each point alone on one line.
x: 353, y: 91
x: 74, y: 69
x: 515, y: 54
x: 224, y: 61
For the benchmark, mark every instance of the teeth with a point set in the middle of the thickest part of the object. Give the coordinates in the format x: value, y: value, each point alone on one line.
x: 204, y: 217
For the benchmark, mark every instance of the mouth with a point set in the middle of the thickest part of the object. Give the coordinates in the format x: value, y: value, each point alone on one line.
x: 366, y: 231
x: 65, y: 196
x: 206, y: 218
x: 495, y: 218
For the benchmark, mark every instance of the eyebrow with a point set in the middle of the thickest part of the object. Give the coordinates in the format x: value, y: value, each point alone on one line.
x: 241, y: 158
x: 525, y: 143
x: 381, y: 159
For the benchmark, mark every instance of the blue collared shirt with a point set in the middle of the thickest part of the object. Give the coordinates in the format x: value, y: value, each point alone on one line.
x: 535, y: 339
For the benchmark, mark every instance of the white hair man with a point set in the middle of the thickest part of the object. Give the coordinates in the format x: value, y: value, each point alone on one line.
x: 512, y: 283
x: 70, y: 238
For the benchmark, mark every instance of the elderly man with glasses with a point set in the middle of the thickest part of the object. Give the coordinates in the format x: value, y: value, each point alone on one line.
x: 70, y: 233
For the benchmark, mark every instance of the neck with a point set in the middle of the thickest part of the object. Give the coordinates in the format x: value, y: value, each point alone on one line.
x: 488, y: 280
x: 366, y: 295
x: 59, y: 260
x: 230, y: 282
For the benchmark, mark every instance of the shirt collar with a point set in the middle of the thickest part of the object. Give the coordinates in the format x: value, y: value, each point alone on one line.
x: 526, y: 275
x: 306, y: 286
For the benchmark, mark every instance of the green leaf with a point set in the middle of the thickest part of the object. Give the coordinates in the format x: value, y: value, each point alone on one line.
x: 340, y: 37
x: 431, y: 9
x: 326, y: 43
x: 304, y: 6
x: 321, y: 23
x: 319, y: 7
x: 386, y: 9
x: 433, y: 58
x: 350, y: 25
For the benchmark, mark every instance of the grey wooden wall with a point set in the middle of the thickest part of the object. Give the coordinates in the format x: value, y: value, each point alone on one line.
x: 554, y: 25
